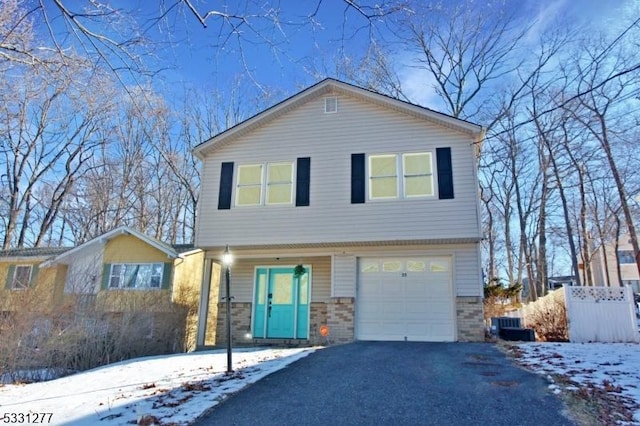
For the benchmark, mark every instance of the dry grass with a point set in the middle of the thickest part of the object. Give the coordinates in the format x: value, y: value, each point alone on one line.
x: 78, y: 336
x: 588, y: 405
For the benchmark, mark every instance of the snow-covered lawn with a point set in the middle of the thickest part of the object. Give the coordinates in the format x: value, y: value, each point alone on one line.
x: 172, y: 389
x: 175, y: 389
x: 609, y: 371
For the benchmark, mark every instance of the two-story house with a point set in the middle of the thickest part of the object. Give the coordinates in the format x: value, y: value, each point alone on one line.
x: 377, y: 199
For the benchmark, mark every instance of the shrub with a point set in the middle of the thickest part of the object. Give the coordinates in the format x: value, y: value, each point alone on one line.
x: 80, y: 336
x: 548, y: 317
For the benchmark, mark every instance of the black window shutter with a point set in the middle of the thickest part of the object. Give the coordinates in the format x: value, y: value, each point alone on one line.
x: 445, y: 173
x: 303, y: 174
x: 226, y: 186
x: 357, y: 179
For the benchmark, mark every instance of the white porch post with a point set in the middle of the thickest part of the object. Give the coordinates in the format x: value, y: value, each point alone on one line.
x: 203, y: 308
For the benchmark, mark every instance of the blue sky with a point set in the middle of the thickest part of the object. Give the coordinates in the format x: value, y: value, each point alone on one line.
x: 197, y: 58
x: 286, y: 58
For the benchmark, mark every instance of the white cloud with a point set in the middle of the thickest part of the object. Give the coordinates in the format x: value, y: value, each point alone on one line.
x: 419, y: 86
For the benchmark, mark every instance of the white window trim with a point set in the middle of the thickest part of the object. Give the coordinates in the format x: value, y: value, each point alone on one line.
x: 264, y: 183
x: 401, y: 177
x: 331, y: 101
x: 290, y: 183
x: 238, y: 185
x: 121, y: 276
x: 404, y: 176
x: 15, y: 272
x: 370, y: 178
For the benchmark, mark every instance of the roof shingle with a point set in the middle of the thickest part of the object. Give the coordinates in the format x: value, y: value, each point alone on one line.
x: 34, y: 252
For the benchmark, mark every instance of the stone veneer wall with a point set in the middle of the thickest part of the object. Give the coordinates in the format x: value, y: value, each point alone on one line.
x: 318, y: 319
x: 338, y: 314
x: 470, y: 319
x: 340, y: 319
x: 241, y: 323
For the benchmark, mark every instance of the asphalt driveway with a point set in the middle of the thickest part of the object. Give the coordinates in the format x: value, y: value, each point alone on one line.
x: 395, y: 383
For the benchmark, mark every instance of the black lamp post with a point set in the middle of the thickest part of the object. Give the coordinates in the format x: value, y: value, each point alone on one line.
x: 227, y: 259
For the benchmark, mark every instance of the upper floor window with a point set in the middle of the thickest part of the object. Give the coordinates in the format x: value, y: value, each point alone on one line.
x: 383, y: 176
x: 136, y: 276
x: 249, y: 186
x: 418, y: 174
x: 626, y: 256
x: 259, y: 184
x: 279, y: 183
x: 21, y: 277
x: 415, y: 170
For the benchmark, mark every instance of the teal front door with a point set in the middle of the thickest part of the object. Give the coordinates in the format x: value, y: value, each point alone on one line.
x: 281, y: 307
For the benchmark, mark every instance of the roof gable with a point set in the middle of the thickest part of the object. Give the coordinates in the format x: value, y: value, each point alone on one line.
x: 123, y: 230
x: 331, y: 86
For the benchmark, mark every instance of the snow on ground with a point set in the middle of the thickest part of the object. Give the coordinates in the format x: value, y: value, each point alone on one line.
x: 613, y: 368
x: 175, y: 389
x: 172, y: 389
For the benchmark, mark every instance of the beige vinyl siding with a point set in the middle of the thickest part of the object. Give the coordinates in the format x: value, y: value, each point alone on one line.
x: 344, y: 276
x: 243, y: 274
x: 330, y: 139
x: 468, y: 279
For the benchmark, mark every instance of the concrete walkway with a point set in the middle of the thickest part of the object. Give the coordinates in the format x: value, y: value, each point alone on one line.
x: 395, y: 383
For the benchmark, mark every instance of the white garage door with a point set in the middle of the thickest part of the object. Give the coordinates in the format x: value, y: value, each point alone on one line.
x: 405, y: 299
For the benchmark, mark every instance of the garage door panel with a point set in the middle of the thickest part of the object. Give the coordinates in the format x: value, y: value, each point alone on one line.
x: 392, y: 306
x: 371, y: 289
x: 439, y: 292
x: 416, y: 292
x: 414, y: 307
x: 408, y: 299
x: 436, y: 311
x: 368, y: 311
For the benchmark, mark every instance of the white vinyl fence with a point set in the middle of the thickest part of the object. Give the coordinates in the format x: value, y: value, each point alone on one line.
x: 601, y: 314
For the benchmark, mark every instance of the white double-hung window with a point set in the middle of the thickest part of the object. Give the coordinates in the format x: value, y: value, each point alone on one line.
x: 136, y: 275
x: 406, y: 175
x: 279, y: 183
x: 418, y: 174
x: 249, y: 187
x: 259, y: 184
x: 383, y: 176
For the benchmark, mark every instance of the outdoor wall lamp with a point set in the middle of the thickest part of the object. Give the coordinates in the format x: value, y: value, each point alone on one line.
x: 227, y: 259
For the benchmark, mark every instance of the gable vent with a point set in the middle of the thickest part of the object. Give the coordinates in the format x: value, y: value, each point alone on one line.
x: 330, y: 104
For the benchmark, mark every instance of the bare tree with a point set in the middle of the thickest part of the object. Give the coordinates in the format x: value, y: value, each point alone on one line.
x: 604, y: 118
x: 46, y: 139
x: 122, y: 39
x: 465, y: 49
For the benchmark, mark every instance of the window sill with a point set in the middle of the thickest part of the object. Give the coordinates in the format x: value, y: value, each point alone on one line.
x: 134, y: 289
x: 402, y: 199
